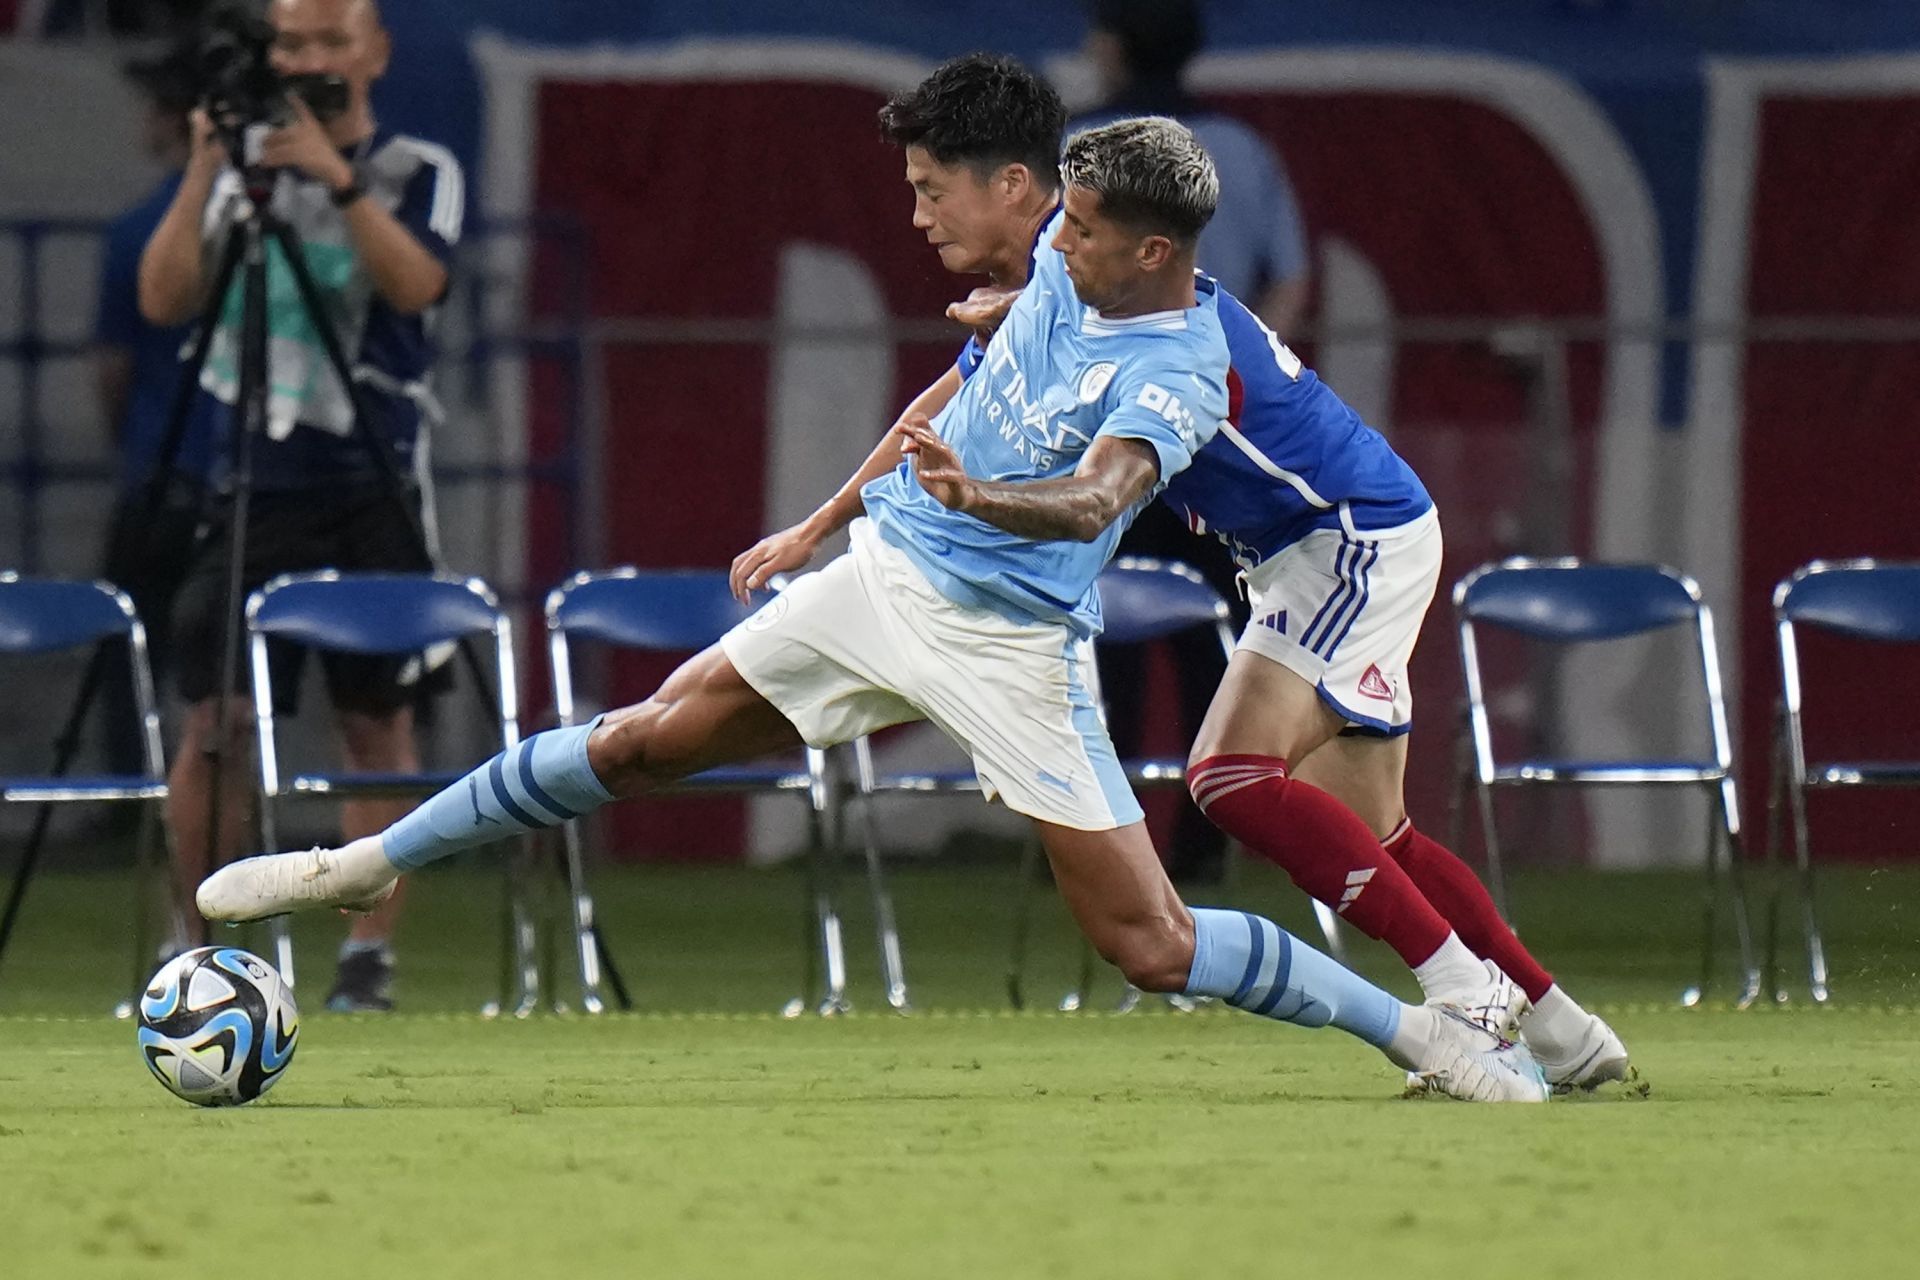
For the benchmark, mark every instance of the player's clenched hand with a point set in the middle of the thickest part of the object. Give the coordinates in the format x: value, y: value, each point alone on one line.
x: 935, y: 465
x: 984, y: 309
x: 782, y: 552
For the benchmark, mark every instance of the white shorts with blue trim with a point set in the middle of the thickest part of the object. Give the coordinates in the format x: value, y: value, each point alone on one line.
x: 1341, y: 608
x: 868, y: 642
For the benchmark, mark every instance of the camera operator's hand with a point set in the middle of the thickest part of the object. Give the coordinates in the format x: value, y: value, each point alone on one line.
x: 206, y: 155
x: 303, y: 144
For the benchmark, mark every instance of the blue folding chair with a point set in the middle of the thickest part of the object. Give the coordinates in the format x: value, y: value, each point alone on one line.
x: 385, y: 613
x: 53, y: 615
x: 1141, y: 600
x: 1866, y: 600
x: 684, y: 611
x: 1566, y: 601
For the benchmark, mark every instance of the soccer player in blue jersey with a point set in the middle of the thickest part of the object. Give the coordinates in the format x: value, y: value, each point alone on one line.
x: 1340, y: 545
x: 968, y: 599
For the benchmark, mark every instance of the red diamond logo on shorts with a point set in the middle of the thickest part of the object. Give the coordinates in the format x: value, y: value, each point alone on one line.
x: 1374, y: 685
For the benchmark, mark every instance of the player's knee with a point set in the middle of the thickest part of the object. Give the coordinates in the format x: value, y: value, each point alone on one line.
x: 1212, y: 774
x: 1154, y: 953
x: 633, y: 750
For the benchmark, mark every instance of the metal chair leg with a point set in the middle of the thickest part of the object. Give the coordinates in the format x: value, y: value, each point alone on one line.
x: 1776, y: 782
x: 526, y: 932
x: 586, y: 953
x: 893, y: 970
x: 1709, y: 918
x: 1736, y: 852
x: 1083, y: 983
x: 1809, y: 922
x: 279, y: 929
x: 519, y: 940
x: 143, y: 906
x: 1462, y: 779
x: 1496, y: 875
x: 1024, y: 894
x: 832, y: 957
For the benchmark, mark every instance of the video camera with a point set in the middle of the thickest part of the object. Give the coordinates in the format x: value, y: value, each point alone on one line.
x: 242, y: 89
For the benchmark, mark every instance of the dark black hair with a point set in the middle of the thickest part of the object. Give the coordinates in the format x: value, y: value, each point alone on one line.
x: 984, y: 111
x: 1157, y: 37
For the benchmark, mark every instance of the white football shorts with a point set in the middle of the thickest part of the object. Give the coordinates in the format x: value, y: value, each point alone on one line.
x: 1341, y: 608
x: 868, y: 642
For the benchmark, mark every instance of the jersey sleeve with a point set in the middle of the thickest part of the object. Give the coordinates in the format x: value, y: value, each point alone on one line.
x: 1174, y: 405
x: 970, y: 357
x: 433, y: 204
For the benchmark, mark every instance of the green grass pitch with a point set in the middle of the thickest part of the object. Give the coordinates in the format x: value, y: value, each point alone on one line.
x: 705, y: 1137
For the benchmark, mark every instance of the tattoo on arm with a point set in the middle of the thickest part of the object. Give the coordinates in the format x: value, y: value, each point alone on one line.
x: 1115, y: 474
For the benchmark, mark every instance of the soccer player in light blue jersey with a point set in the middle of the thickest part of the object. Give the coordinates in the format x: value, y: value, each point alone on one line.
x: 1340, y: 547
x: 968, y: 599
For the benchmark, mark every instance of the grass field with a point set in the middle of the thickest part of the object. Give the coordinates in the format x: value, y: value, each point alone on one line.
x: 706, y: 1137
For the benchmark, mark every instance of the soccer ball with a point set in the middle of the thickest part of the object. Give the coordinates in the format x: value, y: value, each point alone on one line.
x: 217, y: 1026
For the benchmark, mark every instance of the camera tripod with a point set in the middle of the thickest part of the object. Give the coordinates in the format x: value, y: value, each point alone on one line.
x: 244, y: 255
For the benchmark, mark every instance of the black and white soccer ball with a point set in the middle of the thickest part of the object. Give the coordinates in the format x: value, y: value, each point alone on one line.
x: 218, y: 1026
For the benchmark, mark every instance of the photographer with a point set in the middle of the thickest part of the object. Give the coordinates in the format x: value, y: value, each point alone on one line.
x: 378, y: 213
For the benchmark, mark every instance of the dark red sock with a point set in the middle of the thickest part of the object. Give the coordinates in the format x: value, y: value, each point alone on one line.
x: 1450, y: 885
x: 1323, y: 845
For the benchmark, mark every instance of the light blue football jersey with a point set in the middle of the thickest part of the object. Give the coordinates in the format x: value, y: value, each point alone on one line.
x: 1054, y: 378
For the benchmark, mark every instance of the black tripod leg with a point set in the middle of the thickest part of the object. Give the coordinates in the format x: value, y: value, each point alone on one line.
x: 611, y: 972
x: 252, y: 408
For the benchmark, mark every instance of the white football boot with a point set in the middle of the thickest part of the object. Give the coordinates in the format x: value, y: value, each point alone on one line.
x: 274, y: 884
x: 1495, y: 1006
x: 1598, y: 1058
x: 1464, y: 1060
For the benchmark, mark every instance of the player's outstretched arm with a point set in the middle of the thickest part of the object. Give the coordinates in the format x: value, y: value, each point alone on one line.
x: 1115, y: 473
x: 982, y: 311
x: 793, y: 548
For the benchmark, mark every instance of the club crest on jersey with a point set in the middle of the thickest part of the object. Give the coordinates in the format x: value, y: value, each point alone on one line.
x: 1095, y: 380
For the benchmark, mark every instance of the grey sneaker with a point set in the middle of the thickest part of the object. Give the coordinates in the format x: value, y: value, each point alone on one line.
x: 363, y: 984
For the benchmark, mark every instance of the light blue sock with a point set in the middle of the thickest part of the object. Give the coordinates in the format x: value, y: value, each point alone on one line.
x: 541, y: 783
x: 1254, y: 964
